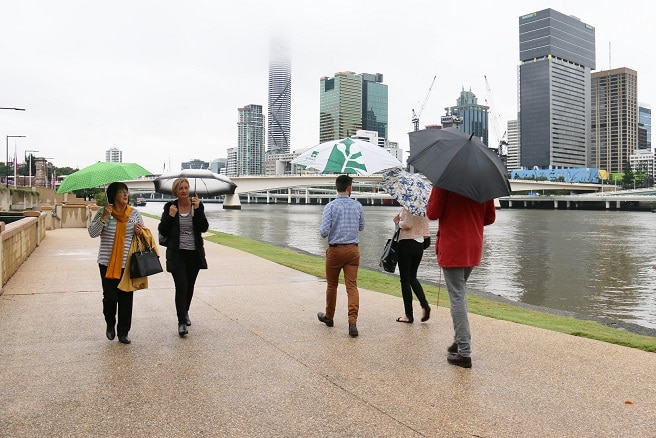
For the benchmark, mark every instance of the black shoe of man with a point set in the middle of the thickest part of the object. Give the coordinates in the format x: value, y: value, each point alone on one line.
x: 458, y: 360
x: 322, y: 317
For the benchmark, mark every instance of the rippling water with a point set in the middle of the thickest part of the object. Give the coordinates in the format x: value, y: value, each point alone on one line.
x: 595, y: 263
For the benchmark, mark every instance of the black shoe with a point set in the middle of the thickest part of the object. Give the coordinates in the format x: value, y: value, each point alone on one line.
x: 453, y: 348
x: 124, y: 339
x: 110, y: 333
x: 426, y: 316
x: 187, y: 320
x: 322, y: 318
x: 353, y: 330
x: 182, y: 329
x: 461, y: 361
x: 406, y: 320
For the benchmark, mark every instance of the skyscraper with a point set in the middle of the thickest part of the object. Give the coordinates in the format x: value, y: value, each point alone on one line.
x: 114, y: 155
x: 614, y: 118
x: 280, y: 98
x: 473, y: 117
x: 556, y: 53
x: 250, y: 141
x: 350, y: 102
x: 644, y: 122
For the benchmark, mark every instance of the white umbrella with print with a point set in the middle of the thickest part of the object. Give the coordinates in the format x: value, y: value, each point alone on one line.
x: 347, y: 156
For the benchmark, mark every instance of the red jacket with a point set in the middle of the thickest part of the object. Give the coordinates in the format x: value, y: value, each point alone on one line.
x: 459, y: 241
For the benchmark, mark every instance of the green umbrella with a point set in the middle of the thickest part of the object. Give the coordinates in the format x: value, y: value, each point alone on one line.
x: 100, y: 174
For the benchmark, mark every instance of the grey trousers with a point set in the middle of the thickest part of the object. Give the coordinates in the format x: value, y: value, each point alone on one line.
x: 456, y: 283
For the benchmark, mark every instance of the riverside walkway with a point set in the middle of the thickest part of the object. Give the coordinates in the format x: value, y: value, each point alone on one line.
x: 257, y: 362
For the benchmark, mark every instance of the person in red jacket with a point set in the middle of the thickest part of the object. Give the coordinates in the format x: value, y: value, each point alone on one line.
x: 459, y: 247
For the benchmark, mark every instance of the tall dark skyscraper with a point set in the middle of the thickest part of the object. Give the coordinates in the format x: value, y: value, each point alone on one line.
x: 557, y: 54
x: 280, y: 98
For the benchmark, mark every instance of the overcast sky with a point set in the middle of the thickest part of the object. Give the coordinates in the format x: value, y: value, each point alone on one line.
x: 162, y: 80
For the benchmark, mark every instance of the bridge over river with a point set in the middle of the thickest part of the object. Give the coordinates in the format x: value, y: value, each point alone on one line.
x: 306, y: 187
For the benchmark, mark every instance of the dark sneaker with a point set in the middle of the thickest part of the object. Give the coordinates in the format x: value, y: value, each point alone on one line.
x: 353, y: 330
x: 322, y: 318
x: 453, y: 348
x: 461, y: 361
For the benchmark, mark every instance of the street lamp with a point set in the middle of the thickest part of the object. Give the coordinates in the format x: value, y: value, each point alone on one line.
x: 30, y: 165
x: 7, y: 162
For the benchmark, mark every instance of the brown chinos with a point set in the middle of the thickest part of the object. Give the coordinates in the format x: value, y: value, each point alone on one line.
x: 347, y: 258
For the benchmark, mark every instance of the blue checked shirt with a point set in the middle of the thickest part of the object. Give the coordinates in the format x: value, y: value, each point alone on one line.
x: 343, y: 219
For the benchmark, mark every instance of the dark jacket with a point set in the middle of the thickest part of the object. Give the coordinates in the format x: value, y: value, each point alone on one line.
x: 170, y: 228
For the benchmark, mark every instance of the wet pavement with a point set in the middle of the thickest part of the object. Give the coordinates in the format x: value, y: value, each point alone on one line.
x: 257, y: 362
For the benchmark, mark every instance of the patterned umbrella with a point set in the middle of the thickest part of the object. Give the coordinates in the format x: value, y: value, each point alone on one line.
x: 411, y: 190
x: 349, y: 155
x: 100, y: 174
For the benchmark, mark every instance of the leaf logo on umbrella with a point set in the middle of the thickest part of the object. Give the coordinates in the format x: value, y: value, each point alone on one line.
x: 346, y: 158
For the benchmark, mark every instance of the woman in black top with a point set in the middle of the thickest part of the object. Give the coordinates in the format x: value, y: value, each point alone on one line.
x: 182, y: 224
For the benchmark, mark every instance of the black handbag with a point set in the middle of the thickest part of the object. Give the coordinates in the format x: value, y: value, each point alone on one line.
x: 427, y: 242
x: 144, y: 261
x: 390, y: 256
x: 163, y: 240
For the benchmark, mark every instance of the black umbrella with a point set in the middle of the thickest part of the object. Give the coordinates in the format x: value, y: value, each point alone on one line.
x: 202, y: 182
x: 458, y: 162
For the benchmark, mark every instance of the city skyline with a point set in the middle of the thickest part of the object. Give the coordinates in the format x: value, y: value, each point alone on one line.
x: 163, y: 81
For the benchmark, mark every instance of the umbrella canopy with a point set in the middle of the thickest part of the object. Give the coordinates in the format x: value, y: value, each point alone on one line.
x: 202, y: 182
x: 100, y: 174
x: 349, y: 155
x: 458, y: 162
x: 411, y: 190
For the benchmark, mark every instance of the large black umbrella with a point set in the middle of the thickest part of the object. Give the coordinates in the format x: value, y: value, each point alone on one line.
x: 458, y: 162
x: 202, y: 182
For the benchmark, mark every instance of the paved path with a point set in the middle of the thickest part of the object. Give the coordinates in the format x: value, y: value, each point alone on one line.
x: 258, y: 363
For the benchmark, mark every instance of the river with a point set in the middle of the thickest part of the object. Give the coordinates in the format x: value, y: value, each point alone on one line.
x: 594, y: 263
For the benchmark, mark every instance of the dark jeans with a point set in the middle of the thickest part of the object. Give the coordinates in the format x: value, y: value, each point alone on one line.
x: 114, y: 298
x: 410, y: 255
x: 184, y: 277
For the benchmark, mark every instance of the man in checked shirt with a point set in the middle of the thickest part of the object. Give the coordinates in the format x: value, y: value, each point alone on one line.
x: 342, y: 220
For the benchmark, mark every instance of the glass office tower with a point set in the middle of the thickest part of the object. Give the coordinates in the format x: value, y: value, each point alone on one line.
x: 473, y: 117
x: 350, y: 102
x: 557, y: 53
x: 280, y: 98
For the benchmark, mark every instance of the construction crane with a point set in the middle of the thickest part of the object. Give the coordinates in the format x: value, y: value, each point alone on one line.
x: 502, y: 144
x: 415, y: 116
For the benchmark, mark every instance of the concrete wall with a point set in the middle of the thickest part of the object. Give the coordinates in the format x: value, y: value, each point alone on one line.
x: 18, y: 240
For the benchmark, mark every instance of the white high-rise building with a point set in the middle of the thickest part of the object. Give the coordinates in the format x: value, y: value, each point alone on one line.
x: 280, y: 98
x: 250, y: 141
x: 114, y: 155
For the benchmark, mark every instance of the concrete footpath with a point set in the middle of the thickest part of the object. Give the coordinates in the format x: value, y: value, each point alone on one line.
x: 257, y: 362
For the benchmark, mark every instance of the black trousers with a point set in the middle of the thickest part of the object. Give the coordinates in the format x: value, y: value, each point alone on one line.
x: 115, y: 299
x: 410, y: 255
x: 184, y: 274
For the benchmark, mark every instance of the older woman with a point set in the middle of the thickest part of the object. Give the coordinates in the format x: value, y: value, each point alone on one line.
x: 116, y: 223
x: 182, y: 223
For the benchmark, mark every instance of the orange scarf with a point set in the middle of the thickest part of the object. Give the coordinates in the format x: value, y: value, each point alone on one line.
x: 116, y: 259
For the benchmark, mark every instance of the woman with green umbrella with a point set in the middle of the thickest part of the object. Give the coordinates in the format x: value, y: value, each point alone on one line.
x: 116, y: 223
